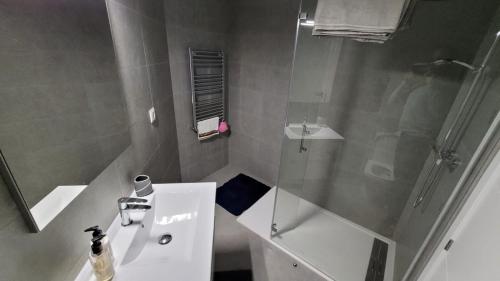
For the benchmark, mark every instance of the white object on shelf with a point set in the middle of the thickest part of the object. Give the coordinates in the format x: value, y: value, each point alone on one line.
x: 381, y: 163
x: 208, y: 128
x: 316, y: 132
x: 152, y: 115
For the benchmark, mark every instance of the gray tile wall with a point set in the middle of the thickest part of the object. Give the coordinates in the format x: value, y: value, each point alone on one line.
x: 364, y: 105
x: 257, y: 38
x: 59, y: 251
x: 200, y: 24
x: 260, y: 44
x: 140, y: 42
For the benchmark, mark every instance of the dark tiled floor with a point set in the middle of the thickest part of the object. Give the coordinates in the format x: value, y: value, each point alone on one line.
x: 232, y: 252
x: 239, y: 275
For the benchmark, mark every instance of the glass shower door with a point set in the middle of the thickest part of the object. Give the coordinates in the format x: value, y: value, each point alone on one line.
x: 309, y: 142
x: 378, y: 136
x: 470, y: 136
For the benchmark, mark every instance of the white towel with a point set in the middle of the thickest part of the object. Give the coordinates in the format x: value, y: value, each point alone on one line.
x: 208, y: 128
x: 363, y: 20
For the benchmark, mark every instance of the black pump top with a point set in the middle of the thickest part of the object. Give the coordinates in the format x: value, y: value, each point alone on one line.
x: 97, y: 245
x: 96, y: 231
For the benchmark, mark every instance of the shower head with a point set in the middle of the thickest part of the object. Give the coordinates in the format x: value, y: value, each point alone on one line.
x: 440, y: 62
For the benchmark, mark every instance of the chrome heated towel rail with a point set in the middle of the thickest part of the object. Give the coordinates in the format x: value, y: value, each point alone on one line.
x: 207, y: 85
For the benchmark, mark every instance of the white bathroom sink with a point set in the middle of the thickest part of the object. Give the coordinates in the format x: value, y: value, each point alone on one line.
x: 314, y: 131
x: 184, y: 211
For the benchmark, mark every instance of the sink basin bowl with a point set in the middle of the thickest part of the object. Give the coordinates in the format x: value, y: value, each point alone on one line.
x: 294, y: 132
x: 184, y: 212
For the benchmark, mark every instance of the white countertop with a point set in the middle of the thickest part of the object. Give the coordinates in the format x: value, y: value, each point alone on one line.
x: 53, y: 203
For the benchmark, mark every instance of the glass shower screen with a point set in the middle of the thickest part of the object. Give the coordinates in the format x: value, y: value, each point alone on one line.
x: 378, y: 135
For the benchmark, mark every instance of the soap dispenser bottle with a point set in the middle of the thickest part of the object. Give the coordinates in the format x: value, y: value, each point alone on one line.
x: 96, y: 231
x: 100, y: 260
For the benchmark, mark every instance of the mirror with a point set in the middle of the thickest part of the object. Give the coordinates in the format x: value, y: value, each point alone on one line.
x: 63, y: 118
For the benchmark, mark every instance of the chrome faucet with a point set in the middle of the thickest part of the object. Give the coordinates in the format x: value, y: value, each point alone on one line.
x: 305, y: 131
x: 126, y: 205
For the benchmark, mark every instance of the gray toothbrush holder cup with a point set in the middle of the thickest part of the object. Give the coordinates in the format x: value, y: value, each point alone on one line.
x: 142, y: 185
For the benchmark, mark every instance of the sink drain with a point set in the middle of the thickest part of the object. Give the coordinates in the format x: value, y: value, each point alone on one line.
x: 165, y: 239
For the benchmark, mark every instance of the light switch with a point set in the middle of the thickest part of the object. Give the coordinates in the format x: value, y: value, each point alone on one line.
x: 152, y: 115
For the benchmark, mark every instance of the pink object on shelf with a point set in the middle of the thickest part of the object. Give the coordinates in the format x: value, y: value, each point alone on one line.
x: 223, y: 127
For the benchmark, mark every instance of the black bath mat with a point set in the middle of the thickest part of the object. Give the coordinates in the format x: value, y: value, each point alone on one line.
x: 240, y: 193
